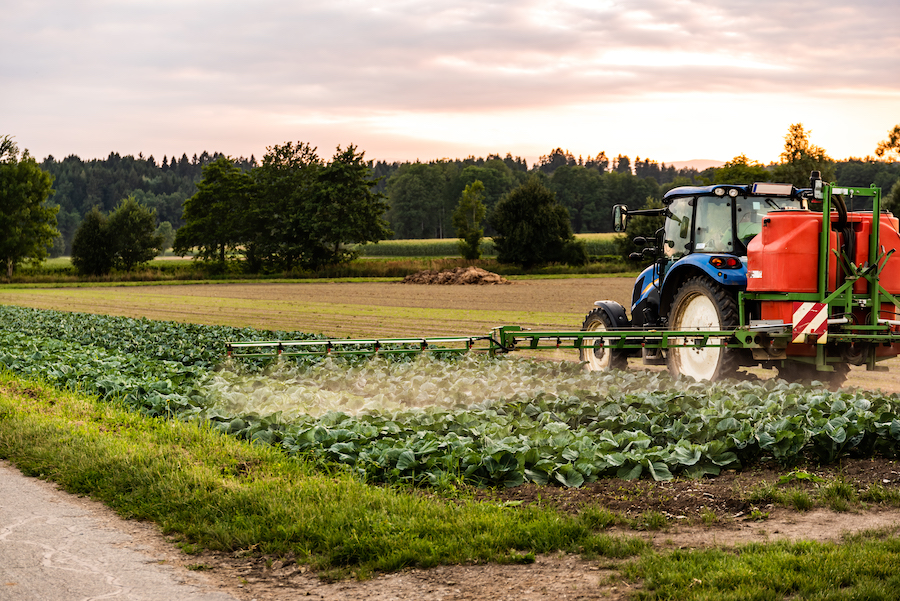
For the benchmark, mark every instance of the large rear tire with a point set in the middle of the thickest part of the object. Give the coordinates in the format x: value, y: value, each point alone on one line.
x: 702, y: 305
x: 596, y: 352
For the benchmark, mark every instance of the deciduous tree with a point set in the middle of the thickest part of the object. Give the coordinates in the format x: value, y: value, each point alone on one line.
x: 27, y: 222
x: 93, y: 247
x: 167, y: 233
x: 496, y: 176
x: 467, y: 220
x: 305, y: 213
x: 279, y: 230
x: 533, y: 228
x: 741, y: 170
x: 133, y: 231
x: 891, y: 146
x: 216, y: 215
x: 800, y: 158
x: 345, y: 209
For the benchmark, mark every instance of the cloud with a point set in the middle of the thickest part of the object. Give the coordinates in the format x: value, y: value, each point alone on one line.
x: 352, y: 61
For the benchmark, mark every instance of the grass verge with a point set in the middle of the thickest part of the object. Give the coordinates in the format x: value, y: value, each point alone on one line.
x: 864, y: 566
x: 58, y: 271
x: 223, y: 494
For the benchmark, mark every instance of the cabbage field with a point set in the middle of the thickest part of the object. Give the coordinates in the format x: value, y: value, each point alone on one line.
x: 428, y: 421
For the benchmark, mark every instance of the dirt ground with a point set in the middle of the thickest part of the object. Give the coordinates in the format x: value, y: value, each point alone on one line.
x: 460, y: 276
x: 359, y: 310
x: 714, y: 511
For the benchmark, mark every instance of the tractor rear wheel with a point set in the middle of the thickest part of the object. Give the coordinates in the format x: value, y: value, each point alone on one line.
x: 702, y: 305
x: 806, y: 373
x: 596, y: 352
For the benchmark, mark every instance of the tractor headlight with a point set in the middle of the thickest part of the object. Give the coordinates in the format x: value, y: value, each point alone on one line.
x: 719, y: 191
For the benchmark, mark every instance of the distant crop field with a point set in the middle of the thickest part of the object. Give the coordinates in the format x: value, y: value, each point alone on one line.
x: 596, y: 244
x: 425, y: 247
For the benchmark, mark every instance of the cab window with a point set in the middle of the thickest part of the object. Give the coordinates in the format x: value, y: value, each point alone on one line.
x: 750, y: 213
x: 678, y: 228
x: 713, y: 231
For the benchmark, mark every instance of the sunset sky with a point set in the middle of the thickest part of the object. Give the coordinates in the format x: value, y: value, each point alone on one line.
x: 669, y: 80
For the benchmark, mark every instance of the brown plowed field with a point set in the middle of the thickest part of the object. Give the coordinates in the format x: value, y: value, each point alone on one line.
x: 370, y: 310
x: 373, y: 310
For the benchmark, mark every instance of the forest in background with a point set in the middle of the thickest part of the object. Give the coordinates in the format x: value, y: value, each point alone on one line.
x: 421, y: 196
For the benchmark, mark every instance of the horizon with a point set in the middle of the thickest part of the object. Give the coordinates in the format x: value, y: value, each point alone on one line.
x: 699, y: 164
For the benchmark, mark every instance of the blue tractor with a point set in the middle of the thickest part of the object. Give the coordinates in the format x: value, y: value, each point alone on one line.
x: 699, y: 268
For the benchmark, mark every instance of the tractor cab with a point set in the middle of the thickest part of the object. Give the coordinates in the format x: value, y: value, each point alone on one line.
x: 720, y: 219
x: 706, y: 233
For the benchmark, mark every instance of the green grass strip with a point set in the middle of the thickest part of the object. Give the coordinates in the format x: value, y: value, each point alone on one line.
x: 224, y: 494
x: 863, y: 567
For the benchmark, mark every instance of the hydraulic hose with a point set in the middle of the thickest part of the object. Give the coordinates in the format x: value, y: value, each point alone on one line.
x: 848, y: 242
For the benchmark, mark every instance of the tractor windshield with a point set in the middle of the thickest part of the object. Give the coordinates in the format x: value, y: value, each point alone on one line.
x: 713, y: 232
x: 751, y: 211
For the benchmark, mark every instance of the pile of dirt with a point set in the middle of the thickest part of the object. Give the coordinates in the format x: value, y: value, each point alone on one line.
x: 458, y: 276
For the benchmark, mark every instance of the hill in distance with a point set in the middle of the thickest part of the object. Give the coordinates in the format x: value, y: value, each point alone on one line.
x: 698, y: 164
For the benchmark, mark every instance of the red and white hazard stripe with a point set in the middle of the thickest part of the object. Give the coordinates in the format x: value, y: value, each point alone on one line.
x: 810, y: 318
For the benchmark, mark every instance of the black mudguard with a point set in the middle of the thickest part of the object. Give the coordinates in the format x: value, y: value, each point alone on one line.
x: 615, y: 312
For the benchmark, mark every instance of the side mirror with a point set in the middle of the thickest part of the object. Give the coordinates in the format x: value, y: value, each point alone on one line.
x: 620, y: 215
x: 685, y: 228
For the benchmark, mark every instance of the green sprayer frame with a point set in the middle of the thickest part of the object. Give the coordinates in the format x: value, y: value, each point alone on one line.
x: 767, y: 340
x: 502, y: 339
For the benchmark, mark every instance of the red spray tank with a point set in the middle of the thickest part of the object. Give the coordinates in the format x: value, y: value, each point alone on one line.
x: 784, y: 257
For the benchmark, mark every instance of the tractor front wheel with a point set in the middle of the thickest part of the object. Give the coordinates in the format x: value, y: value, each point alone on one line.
x: 702, y: 305
x: 596, y: 352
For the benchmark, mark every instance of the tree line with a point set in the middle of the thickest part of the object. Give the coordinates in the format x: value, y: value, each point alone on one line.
x: 422, y: 196
x: 79, y: 186
x: 415, y: 199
